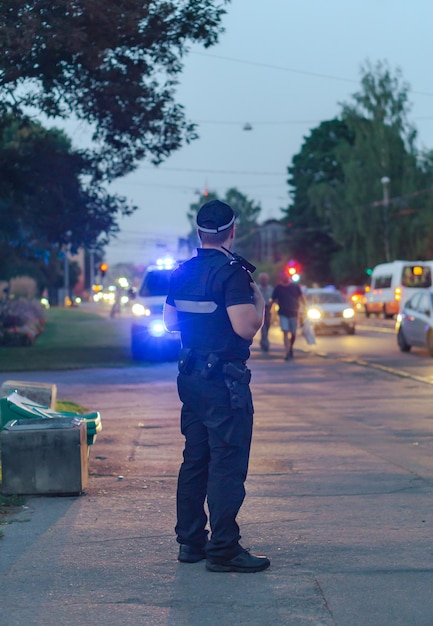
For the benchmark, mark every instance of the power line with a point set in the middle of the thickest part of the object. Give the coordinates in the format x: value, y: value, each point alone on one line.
x: 200, y: 171
x: 280, y: 122
x: 190, y: 189
x: 394, y: 200
x: 259, y: 123
x: 187, y: 189
x: 293, y: 70
x: 277, y: 67
x: 146, y: 233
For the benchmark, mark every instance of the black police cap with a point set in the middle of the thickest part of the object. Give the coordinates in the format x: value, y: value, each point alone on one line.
x: 215, y: 216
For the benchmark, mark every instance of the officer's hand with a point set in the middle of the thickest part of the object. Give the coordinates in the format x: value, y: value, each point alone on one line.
x: 258, y: 298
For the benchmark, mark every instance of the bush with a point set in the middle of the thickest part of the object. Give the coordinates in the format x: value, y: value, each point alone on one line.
x: 21, y: 321
x: 20, y: 287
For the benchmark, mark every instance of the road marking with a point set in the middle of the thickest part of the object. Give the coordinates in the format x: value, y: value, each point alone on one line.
x: 376, y: 329
x: 376, y: 366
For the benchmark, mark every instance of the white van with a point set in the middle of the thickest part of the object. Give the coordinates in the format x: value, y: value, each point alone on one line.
x: 393, y: 283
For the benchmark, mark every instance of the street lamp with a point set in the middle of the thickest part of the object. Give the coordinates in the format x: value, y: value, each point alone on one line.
x: 91, y: 267
x: 385, y: 180
x: 66, y: 268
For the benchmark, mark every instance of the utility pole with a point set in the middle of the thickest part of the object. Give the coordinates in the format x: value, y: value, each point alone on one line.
x: 385, y: 186
x: 92, y: 268
x: 66, y: 285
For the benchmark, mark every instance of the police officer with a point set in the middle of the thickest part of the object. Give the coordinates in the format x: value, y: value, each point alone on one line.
x: 215, y: 304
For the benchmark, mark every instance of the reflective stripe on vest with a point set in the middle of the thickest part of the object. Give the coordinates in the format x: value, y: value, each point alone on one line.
x: 191, y: 306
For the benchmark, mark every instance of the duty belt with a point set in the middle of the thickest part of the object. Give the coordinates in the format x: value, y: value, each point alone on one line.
x: 212, y: 364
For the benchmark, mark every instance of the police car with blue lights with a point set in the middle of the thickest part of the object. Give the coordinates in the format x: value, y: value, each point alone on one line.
x: 150, y: 341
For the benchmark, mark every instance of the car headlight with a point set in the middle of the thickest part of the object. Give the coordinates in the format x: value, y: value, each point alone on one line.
x: 157, y: 328
x: 139, y: 310
x: 348, y: 313
x: 314, y: 314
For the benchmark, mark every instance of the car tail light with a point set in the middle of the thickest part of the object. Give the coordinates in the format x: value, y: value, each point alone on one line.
x: 356, y: 297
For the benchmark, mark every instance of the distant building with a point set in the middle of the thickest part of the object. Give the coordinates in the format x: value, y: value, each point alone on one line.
x: 185, y: 248
x: 270, y: 242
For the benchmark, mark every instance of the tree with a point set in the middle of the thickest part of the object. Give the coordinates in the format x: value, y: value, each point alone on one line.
x: 420, y: 204
x: 112, y: 63
x: 311, y: 240
x: 246, y: 222
x: 369, y: 229
x: 46, y: 199
x: 192, y: 238
x: 348, y: 197
x: 384, y: 147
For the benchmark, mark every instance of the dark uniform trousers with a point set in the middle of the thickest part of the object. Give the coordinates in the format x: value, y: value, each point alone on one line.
x: 217, y: 425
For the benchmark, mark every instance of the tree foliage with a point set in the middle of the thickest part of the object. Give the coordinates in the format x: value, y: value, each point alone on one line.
x: 384, y: 148
x: 47, y: 201
x: 112, y: 63
x: 246, y: 223
x: 44, y: 196
x: 311, y: 238
x: 350, y: 201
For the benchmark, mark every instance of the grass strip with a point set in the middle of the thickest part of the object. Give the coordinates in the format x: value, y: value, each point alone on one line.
x: 73, y: 338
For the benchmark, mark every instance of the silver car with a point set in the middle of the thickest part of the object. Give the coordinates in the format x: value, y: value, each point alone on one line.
x: 414, y: 325
x: 328, y: 309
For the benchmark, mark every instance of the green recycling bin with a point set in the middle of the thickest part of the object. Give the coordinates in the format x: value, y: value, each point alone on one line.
x: 16, y: 407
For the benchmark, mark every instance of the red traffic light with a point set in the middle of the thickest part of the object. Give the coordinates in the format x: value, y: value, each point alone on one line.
x: 103, y: 268
x: 292, y: 269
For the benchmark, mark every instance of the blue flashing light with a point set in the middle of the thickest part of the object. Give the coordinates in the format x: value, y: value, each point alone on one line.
x: 157, y: 328
x: 166, y: 263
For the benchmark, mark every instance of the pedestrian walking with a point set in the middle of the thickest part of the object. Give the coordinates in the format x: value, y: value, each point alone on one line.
x: 266, y: 290
x: 289, y: 297
x: 215, y: 304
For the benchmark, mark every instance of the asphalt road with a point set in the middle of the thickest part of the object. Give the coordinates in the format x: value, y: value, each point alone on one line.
x: 339, y: 496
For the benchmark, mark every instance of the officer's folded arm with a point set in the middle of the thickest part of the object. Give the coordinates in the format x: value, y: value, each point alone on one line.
x: 245, y: 319
x: 170, y: 318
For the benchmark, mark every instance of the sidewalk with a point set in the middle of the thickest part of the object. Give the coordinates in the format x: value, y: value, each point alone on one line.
x: 339, y: 496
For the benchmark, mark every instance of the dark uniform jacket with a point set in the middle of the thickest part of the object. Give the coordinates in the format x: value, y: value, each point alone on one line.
x: 200, y: 290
